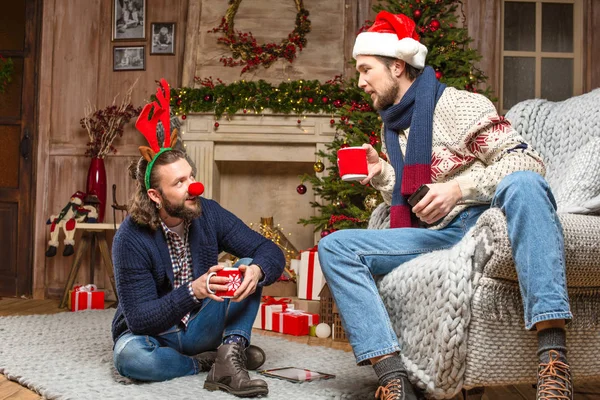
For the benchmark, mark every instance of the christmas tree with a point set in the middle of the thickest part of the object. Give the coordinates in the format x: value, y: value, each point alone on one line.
x: 342, y: 204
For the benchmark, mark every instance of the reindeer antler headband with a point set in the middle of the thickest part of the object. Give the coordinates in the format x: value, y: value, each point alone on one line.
x: 147, y: 127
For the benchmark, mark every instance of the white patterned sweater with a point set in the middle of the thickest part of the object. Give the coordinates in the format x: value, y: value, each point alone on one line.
x: 471, y: 145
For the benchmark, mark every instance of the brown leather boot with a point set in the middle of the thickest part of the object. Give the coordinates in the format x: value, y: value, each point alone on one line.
x: 255, y: 358
x: 229, y: 373
x: 554, y: 379
x: 396, y: 389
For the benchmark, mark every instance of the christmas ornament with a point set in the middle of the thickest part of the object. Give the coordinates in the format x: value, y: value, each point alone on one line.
x: 301, y: 189
x: 337, y: 103
x: 216, y: 124
x: 370, y: 202
x: 323, y: 330
x: 319, y: 166
x: 299, y: 121
x: 325, y: 233
x: 183, y: 116
x: 332, y: 121
x: 245, y: 111
x: 310, y: 100
x: 208, y: 97
x: 344, y: 146
x: 179, y: 102
x: 438, y: 75
x: 325, y: 99
x: 434, y: 25
x: 417, y: 14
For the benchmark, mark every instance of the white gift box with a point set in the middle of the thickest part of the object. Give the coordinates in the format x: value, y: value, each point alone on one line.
x: 310, y: 277
x: 264, y: 317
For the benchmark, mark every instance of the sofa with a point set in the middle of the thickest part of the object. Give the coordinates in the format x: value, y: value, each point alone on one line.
x: 458, y: 312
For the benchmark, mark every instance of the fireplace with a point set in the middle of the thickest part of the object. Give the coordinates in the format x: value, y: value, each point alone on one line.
x: 251, y: 165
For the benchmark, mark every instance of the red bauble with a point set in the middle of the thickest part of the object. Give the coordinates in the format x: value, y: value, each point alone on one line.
x: 301, y: 189
x: 332, y: 121
x: 344, y: 146
x: 324, y: 99
x: 417, y: 14
x: 208, y: 97
x: 179, y: 102
x: 438, y: 75
x: 183, y: 116
x: 245, y: 111
x: 310, y: 100
x: 299, y: 121
x: 324, y: 233
x: 216, y: 124
x: 337, y: 103
x: 434, y: 25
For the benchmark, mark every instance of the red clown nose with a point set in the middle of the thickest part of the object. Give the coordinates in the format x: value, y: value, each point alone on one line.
x: 196, y: 189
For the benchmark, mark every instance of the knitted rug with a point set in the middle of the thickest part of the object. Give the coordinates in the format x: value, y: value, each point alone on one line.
x: 69, y: 356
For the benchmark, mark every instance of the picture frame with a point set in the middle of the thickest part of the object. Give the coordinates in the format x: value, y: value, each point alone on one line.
x: 128, y: 20
x: 129, y: 58
x: 163, y: 35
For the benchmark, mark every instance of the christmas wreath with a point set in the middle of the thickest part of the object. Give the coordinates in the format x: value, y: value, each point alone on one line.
x: 247, y: 52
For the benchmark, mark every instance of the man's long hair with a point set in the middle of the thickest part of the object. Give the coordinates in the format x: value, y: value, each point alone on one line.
x: 141, y: 208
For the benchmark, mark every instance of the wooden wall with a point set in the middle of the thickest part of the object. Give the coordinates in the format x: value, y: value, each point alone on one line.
x: 76, y: 66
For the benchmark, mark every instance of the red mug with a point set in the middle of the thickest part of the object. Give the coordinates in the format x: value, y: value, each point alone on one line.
x: 234, y: 280
x: 352, y: 163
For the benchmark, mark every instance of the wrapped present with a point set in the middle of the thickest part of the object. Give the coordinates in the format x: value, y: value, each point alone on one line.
x: 294, y: 322
x: 270, y: 305
x: 310, y: 306
x: 310, y: 276
x: 87, y: 297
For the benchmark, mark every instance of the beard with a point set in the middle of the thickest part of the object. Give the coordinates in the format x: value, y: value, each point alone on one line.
x: 181, y: 210
x: 388, y: 96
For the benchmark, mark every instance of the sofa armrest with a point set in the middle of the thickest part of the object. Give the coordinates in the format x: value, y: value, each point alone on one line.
x: 493, y: 255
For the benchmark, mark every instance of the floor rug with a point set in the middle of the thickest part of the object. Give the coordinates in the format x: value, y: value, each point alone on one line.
x: 69, y: 356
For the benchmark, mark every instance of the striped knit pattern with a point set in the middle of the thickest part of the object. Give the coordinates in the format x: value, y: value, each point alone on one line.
x: 148, y: 302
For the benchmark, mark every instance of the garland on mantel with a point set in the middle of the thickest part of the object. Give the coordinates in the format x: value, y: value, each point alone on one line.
x: 249, y: 53
x: 257, y: 97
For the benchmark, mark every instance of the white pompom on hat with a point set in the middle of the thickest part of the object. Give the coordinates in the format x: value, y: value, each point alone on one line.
x: 392, y: 35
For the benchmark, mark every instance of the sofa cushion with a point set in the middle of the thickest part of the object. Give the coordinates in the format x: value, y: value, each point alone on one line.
x: 579, y: 190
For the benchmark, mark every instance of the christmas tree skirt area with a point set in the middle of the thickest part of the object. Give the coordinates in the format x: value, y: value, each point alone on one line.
x: 69, y: 356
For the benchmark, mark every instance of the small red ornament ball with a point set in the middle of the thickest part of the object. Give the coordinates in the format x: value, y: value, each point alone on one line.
x: 299, y: 121
x: 301, y: 189
x: 417, y: 14
x: 332, y: 121
x: 324, y: 233
x: 310, y: 100
x: 208, y: 97
x: 216, y: 124
x: 337, y: 103
x: 183, y: 116
x: 245, y: 111
x: 179, y: 102
x: 324, y: 99
x: 434, y: 25
x: 438, y: 75
x: 344, y: 146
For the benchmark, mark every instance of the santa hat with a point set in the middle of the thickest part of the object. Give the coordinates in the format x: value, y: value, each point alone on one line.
x: 78, y: 195
x: 392, y: 35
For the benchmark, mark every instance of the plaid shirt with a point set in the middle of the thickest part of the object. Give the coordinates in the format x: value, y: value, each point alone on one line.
x: 181, y: 258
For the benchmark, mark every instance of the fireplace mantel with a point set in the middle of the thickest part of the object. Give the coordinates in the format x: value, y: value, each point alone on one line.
x: 267, y: 137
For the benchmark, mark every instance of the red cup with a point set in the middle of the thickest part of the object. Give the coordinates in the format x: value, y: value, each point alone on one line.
x: 234, y: 280
x: 352, y: 163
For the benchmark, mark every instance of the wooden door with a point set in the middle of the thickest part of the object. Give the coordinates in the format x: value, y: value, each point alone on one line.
x: 19, y: 24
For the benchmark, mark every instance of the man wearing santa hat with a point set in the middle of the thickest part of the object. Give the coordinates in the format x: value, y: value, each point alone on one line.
x: 480, y: 162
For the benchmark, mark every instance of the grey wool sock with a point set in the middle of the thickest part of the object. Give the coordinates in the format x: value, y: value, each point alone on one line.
x: 390, y: 368
x: 552, y: 339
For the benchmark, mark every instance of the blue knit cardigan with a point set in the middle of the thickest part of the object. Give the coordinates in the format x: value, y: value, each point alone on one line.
x: 148, y: 304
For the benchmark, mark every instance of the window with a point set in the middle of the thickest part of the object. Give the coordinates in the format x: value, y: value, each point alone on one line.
x: 541, y: 50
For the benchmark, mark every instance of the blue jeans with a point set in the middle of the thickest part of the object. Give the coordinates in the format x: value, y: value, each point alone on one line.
x: 350, y: 259
x: 168, y: 354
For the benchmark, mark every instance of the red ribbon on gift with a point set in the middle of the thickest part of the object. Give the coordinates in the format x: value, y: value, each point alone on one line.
x: 310, y: 275
x: 271, y: 301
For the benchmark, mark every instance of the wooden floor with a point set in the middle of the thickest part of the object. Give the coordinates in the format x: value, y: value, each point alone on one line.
x: 14, y: 391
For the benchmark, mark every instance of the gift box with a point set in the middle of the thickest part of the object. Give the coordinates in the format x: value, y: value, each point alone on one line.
x: 87, y: 297
x: 281, y: 289
x: 310, y: 276
x: 310, y: 306
x: 270, y: 305
x: 294, y: 322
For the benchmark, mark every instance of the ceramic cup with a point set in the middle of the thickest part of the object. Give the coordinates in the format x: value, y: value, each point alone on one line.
x: 352, y: 163
x: 234, y: 280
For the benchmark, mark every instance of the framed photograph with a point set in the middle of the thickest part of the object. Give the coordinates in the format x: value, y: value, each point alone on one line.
x: 163, y: 38
x: 129, y: 19
x: 129, y: 58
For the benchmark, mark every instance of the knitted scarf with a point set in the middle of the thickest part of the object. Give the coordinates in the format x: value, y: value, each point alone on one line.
x: 415, y: 110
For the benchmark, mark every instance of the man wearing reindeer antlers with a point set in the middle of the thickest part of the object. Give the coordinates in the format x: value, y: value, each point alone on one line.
x: 169, y: 321
x: 469, y: 158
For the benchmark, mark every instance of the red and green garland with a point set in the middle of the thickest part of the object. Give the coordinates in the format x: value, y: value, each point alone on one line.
x: 247, y: 52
